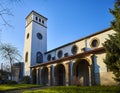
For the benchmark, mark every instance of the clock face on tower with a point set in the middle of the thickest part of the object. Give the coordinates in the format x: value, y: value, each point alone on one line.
x: 39, y: 36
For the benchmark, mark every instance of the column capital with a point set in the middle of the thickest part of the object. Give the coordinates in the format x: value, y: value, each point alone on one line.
x: 67, y: 62
x: 74, y: 60
x: 32, y: 68
x: 37, y: 68
x: 71, y: 62
x: 41, y: 67
x: 54, y: 65
x: 93, y: 55
x: 48, y: 66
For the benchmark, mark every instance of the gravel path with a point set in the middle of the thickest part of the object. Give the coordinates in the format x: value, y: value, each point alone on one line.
x: 22, y: 90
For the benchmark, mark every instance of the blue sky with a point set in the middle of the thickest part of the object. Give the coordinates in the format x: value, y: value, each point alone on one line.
x: 68, y: 20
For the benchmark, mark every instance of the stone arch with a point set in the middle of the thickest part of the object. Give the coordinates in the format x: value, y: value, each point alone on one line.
x: 88, y: 59
x: 44, y: 76
x: 81, y: 72
x: 59, y: 75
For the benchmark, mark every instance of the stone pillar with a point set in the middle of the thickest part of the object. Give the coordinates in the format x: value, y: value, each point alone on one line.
x: 53, y: 78
x: 49, y: 79
x: 71, y: 73
x: 89, y: 75
x: 40, y: 76
x: 66, y: 74
x: 96, y: 70
x: 37, y: 75
x: 31, y: 76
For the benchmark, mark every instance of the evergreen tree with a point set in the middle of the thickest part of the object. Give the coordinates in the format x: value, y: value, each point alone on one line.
x: 112, y: 45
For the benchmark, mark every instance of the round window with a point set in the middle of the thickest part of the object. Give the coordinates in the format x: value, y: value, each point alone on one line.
x: 74, y: 49
x: 49, y: 57
x: 94, y: 43
x: 60, y: 53
x: 39, y: 36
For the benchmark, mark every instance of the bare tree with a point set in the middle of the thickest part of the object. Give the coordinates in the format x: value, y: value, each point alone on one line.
x: 10, y: 54
x: 5, y: 11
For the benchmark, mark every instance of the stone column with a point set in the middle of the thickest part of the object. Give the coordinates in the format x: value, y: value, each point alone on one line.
x: 31, y: 76
x: 49, y: 79
x: 66, y: 74
x: 40, y: 76
x: 53, y: 78
x: 96, y: 71
x: 37, y: 75
x: 89, y: 75
x: 71, y: 73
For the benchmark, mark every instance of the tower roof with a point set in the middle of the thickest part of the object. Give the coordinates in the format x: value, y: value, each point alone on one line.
x: 34, y: 12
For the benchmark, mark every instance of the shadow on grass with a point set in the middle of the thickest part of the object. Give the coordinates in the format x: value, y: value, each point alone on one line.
x: 74, y: 89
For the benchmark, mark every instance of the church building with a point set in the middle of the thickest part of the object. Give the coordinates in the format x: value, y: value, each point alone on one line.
x: 79, y: 62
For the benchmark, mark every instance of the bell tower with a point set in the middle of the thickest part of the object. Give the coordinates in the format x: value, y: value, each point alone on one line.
x: 35, y: 44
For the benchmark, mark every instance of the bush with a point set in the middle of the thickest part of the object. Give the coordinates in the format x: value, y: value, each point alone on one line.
x: 1, y: 81
x: 26, y: 80
x: 10, y: 82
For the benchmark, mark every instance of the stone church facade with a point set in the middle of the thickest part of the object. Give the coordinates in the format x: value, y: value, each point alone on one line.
x: 78, y: 62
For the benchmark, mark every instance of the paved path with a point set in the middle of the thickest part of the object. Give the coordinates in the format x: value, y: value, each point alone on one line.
x: 22, y: 90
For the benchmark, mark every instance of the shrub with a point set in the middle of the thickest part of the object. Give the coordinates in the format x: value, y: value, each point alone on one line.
x: 1, y: 81
x: 10, y: 82
x: 26, y: 80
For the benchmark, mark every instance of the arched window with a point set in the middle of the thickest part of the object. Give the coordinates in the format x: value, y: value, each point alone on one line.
x: 39, y: 57
x: 26, y: 57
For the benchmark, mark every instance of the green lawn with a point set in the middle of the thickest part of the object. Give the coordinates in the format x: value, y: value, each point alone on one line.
x: 64, y: 89
x: 75, y: 89
x: 4, y: 87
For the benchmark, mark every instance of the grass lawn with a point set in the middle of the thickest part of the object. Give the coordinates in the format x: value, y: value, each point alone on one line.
x: 4, y: 87
x: 75, y: 89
